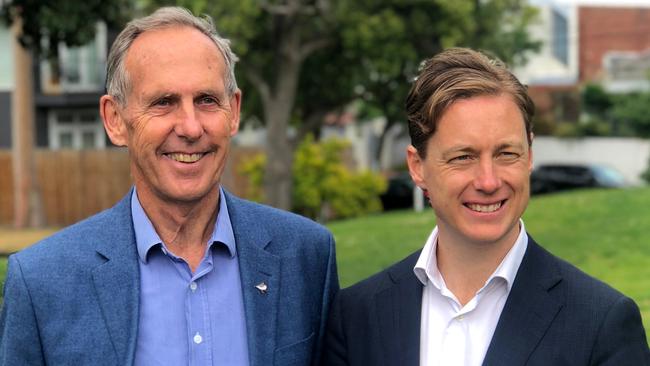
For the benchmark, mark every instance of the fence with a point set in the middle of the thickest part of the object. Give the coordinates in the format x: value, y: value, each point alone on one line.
x: 74, y: 184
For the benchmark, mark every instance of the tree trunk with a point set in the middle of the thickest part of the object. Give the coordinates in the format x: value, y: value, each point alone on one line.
x: 278, y: 182
x: 279, y: 159
x: 382, y: 140
x: 27, y: 200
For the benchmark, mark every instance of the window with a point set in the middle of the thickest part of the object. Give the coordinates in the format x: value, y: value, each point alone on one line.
x: 82, y: 68
x: 6, y: 58
x: 560, y: 41
x: 75, y: 129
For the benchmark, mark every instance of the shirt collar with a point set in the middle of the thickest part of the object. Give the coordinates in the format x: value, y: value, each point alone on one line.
x: 426, y: 268
x: 146, y: 236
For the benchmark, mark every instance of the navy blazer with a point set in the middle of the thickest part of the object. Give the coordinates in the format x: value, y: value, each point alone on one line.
x: 73, y: 299
x: 555, y: 315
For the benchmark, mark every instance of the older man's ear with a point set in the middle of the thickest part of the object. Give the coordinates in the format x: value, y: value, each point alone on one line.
x: 113, y: 122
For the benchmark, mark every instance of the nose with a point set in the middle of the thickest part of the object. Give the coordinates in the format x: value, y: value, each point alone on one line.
x: 487, y: 177
x: 188, y: 125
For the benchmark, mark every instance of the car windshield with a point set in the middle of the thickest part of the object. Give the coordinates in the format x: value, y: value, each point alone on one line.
x: 608, y: 176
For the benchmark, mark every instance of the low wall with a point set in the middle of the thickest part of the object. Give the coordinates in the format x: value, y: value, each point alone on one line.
x: 627, y: 155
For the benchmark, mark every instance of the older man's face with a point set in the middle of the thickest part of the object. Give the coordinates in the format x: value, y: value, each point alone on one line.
x: 178, y: 117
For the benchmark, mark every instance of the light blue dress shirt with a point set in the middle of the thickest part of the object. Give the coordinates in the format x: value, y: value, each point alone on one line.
x: 189, y: 318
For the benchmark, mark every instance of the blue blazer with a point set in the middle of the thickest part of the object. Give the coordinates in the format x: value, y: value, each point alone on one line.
x: 555, y: 315
x: 73, y: 298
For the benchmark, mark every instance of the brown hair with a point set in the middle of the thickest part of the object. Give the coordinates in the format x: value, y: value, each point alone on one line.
x: 458, y: 73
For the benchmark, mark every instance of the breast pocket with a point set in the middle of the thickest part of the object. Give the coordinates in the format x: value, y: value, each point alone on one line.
x: 295, y: 354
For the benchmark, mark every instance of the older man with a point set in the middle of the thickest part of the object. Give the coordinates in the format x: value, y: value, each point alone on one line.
x: 179, y: 272
x: 482, y: 291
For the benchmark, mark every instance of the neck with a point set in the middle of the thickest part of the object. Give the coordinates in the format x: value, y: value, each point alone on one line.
x: 184, y: 226
x: 466, y: 266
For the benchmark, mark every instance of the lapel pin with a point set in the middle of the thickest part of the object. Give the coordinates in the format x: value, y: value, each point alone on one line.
x: 262, y: 288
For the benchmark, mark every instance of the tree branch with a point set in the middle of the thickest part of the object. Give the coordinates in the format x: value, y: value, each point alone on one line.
x: 290, y: 9
x: 310, y: 47
x: 314, y: 120
x: 258, y: 82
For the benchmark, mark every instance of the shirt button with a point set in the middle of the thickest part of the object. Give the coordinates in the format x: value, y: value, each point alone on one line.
x: 197, y: 338
x: 193, y: 286
x: 461, y: 317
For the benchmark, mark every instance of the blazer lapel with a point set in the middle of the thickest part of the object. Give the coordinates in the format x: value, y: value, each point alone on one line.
x: 260, y: 280
x: 528, y: 312
x: 117, y: 280
x: 398, y: 310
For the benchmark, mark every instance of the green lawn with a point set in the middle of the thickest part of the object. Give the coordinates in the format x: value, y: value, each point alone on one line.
x: 604, y: 232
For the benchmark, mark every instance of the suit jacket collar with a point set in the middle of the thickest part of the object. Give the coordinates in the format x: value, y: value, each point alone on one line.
x: 257, y: 267
x: 117, y: 278
x: 399, y: 305
x: 529, y: 309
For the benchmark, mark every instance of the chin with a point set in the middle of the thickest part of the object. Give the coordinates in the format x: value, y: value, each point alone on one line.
x: 489, y: 237
x: 188, y: 192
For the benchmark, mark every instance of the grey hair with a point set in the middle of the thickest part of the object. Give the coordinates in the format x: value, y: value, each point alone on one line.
x: 118, y: 83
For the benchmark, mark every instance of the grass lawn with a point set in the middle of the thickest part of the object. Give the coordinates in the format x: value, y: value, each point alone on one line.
x: 12, y: 240
x: 604, y: 232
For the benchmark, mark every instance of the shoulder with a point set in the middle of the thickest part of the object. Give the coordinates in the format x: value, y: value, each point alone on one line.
x: 278, y: 223
x: 398, y: 274
x: 607, y: 320
x: 79, y: 241
x: 596, y: 306
x: 580, y: 286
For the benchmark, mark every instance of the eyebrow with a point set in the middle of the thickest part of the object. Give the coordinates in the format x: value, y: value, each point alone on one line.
x: 469, y: 149
x: 457, y: 149
x: 150, y: 99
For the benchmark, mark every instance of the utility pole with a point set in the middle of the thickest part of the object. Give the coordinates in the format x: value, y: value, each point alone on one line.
x: 27, y: 203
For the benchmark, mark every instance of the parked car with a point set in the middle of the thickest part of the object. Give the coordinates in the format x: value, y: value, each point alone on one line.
x: 557, y: 177
x: 399, y: 193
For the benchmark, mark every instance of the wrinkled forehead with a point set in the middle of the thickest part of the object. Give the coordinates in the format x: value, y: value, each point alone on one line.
x: 175, y: 57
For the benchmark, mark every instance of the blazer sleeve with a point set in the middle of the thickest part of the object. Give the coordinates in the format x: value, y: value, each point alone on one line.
x: 621, y: 340
x: 330, y: 288
x: 19, y: 336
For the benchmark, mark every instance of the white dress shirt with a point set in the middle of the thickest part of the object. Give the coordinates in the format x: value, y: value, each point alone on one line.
x: 456, y: 335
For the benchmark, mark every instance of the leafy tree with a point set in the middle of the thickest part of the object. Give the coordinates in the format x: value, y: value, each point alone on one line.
x: 301, y: 59
x: 392, y: 37
x: 596, y: 100
x: 633, y: 110
x: 46, y: 24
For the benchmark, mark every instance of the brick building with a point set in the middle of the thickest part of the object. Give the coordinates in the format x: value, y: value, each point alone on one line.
x: 608, y: 30
x: 609, y: 45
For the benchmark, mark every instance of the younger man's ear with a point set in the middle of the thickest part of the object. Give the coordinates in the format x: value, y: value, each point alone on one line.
x: 416, y: 166
x: 113, y: 123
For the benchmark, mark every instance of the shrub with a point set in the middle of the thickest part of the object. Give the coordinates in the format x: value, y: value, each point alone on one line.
x: 323, y: 186
x: 253, y: 168
x: 646, y: 174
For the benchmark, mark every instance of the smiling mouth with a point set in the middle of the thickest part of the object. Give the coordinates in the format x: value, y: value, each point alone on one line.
x: 185, y: 158
x: 485, y: 208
